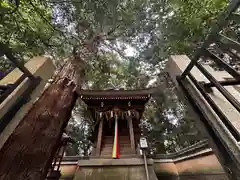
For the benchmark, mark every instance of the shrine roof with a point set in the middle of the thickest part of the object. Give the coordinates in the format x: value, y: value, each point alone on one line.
x: 106, y: 100
x: 116, y: 94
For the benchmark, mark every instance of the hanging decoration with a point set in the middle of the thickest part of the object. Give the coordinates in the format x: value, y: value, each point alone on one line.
x: 108, y: 115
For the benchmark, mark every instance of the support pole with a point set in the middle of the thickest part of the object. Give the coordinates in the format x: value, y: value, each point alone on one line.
x: 145, y: 163
x: 131, y: 133
x: 99, y: 139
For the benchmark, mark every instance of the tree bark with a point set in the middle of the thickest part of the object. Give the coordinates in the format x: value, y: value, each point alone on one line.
x: 28, y: 152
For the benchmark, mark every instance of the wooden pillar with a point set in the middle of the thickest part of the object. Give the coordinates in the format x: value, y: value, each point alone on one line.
x: 99, y: 138
x: 131, y: 133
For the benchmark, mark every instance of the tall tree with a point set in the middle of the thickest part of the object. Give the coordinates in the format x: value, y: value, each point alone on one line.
x: 40, y: 130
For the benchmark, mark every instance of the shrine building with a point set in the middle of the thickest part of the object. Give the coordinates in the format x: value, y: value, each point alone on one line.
x: 116, y: 115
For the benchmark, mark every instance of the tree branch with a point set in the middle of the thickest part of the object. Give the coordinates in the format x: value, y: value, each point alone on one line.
x: 116, y: 50
x: 39, y: 37
x: 50, y: 25
x: 112, y: 30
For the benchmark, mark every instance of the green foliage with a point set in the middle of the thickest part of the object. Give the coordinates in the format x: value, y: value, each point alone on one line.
x: 5, y: 66
x: 167, y: 122
x: 182, y: 26
x: 194, y: 19
x: 25, y: 31
x: 154, y: 29
x: 101, y: 32
x: 80, y: 130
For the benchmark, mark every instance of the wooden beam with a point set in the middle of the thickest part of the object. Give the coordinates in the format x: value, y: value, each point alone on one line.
x: 120, y: 93
x: 99, y: 139
x: 4, y: 49
x: 131, y: 133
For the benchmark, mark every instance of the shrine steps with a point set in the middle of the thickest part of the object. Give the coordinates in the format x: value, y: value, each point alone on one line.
x: 124, y: 145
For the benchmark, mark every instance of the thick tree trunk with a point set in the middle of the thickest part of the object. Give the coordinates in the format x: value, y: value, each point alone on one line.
x: 29, y: 150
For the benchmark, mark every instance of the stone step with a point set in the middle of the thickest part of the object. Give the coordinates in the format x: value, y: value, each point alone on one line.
x: 121, y: 153
x: 124, y: 145
x: 120, y: 139
x: 123, y: 150
x: 107, y: 150
x: 122, y: 156
x: 111, y: 137
x: 107, y: 137
x: 120, y: 142
x: 124, y: 140
x: 107, y: 145
x: 120, y: 145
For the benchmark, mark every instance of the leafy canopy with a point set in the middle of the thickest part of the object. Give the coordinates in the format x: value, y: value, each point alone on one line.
x: 125, y: 43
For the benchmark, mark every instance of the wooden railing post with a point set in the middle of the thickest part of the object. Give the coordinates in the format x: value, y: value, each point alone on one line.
x: 131, y: 133
x: 99, y: 139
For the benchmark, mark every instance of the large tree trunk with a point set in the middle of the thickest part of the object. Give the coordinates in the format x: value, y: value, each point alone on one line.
x: 29, y: 150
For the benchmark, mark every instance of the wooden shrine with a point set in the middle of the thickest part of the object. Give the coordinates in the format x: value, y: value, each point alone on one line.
x: 116, y: 115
